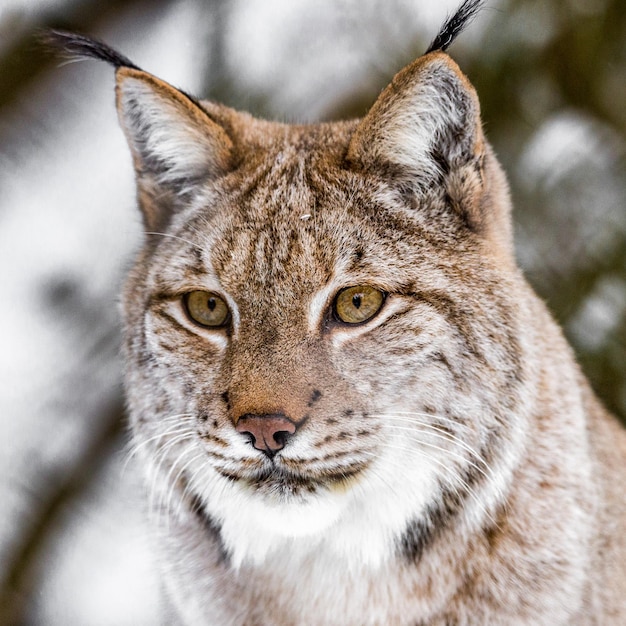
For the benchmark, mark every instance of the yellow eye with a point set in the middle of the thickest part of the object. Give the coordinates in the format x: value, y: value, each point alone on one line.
x: 206, y: 308
x: 354, y: 305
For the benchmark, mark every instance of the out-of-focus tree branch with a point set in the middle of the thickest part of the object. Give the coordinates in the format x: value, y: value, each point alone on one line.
x: 20, y: 574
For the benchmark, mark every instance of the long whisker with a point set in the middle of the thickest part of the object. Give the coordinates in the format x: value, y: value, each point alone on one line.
x: 191, y: 243
x: 443, y: 418
x: 444, y: 433
x: 488, y: 476
x: 179, y: 424
x: 176, y: 428
x: 449, y: 470
x: 174, y: 482
x: 161, y: 484
x: 160, y: 458
x: 374, y: 470
x: 452, y: 485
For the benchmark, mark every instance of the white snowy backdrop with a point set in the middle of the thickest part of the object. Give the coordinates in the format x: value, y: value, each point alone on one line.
x: 552, y: 80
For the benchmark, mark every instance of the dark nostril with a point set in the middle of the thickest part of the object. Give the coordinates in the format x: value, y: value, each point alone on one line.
x: 269, y: 433
x: 281, y: 436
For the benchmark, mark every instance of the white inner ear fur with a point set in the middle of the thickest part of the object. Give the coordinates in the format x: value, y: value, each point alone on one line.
x: 428, y: 105
x: 166, y: 138
x: 413, y: 125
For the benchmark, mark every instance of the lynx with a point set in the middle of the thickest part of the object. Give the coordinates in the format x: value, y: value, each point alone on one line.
x: 350, y: 407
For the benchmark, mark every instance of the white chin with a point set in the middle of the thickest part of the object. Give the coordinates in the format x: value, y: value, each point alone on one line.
x: 253, y: 527
x: 299, y: 518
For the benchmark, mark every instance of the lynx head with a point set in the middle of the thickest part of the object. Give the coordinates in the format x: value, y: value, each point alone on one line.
x: 322, y: 329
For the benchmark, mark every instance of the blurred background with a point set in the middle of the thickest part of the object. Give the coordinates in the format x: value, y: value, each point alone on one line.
x: 551, y: 76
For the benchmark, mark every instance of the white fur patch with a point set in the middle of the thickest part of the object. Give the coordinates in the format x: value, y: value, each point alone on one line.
x: 358, y: 524
x: 161, y: 130
x: 414, y: 126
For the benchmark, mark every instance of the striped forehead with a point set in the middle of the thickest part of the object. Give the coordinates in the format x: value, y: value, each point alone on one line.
x: 286, y: 232
x: 271, y: 236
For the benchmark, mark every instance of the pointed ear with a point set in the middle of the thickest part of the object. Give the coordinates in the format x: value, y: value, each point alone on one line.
x: 424, y: 131
x: 427, y: 121
x: 174, y: 143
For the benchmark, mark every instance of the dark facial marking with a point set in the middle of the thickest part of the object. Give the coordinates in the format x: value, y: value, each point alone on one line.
x: 315, y: 396
x: 421, y: 532
x: 226, y: 399
x: 214, y: 529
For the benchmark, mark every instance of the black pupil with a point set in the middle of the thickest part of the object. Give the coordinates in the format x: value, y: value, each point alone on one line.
x: 356, y: 301
x: 211, y: 304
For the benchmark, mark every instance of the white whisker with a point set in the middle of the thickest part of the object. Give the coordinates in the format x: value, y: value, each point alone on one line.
x: 449, y: 470
x: 174, y: 483
x: 159, y: 460
x: 449, y: 452
x: 444, y: 433
x: 191, y: 243
x: 174, y: 430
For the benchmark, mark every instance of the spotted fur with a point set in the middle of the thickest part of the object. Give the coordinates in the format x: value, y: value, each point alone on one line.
x: 451, y: 465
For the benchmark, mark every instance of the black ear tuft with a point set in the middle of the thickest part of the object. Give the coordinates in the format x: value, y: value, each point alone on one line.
x: 455, y: 25
x: 80, y: 46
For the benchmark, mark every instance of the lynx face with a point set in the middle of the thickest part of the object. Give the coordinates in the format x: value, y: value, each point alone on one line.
x: 350, y: 407
x: 321, y: 320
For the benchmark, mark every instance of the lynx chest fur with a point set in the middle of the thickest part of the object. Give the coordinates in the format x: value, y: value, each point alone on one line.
x: 350, y: 407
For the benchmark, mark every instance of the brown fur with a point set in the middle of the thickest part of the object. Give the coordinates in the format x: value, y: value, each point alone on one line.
x: 477, y: 480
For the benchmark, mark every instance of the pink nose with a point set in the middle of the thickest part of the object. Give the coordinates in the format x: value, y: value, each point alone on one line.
x: 269, y: 432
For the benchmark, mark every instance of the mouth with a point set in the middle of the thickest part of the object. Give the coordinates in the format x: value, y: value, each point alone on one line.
x: 280, y: 481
